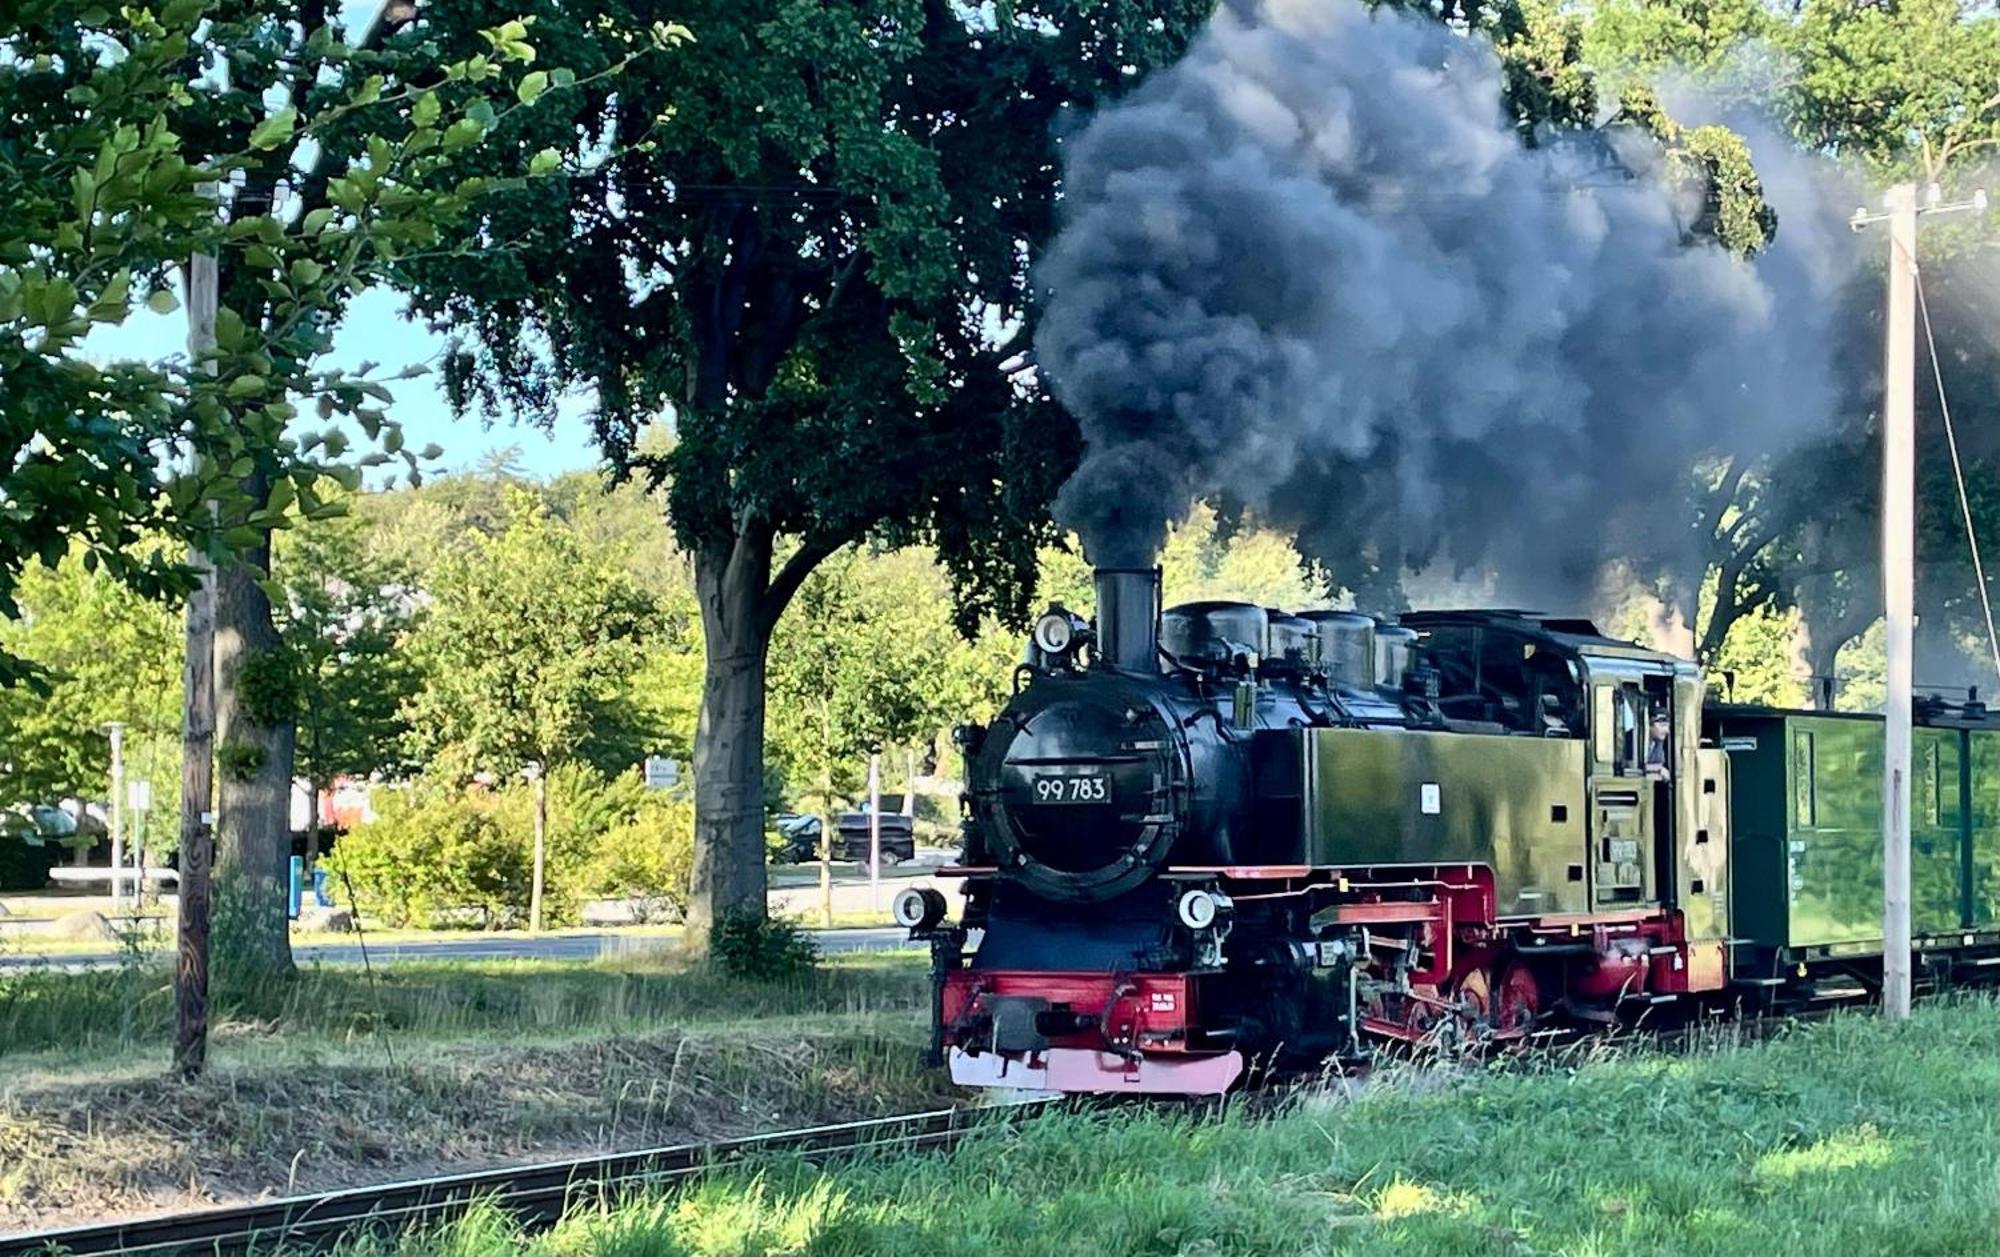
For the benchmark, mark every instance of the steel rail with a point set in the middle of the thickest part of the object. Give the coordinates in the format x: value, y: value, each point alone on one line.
x: 538, y: 1194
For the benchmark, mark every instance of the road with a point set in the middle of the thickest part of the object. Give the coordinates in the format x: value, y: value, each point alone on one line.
x: 595, y: 945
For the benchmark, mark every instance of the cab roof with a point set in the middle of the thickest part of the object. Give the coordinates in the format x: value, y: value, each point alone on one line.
x: 1570, y: 633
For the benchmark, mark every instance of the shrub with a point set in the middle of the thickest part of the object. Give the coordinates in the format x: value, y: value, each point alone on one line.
x: 431, y: 851
x: 437, y: 850
x: 646, y: 857
x: 762, y: 949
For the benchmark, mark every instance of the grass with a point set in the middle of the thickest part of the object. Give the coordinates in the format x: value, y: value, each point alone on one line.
x: 328, y: 1079
x: 131, y: 1007
x: 1843, y: 1137
x: 155, y: 936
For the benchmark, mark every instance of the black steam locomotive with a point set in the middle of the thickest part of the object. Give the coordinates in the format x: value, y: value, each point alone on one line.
x: 1218, y: 832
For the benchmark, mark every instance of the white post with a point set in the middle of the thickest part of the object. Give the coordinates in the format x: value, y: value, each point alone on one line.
x: 1898, y: 566
x: 536, y: 773
x: 910, y: 784
x: 874, y: 833
x: 117, y: 731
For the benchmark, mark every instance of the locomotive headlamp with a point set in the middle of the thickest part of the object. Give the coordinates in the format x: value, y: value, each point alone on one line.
x: 1199, y: 908
x: 918, y: 908
x: 1055, y: 632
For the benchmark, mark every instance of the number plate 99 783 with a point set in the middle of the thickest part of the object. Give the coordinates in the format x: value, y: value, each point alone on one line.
x: 1072, y: 788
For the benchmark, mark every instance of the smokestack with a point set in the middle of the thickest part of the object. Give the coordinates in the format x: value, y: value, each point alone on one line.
x: 1128, y: 618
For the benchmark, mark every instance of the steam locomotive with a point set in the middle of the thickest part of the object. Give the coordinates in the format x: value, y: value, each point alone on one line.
x: 1217, y: 834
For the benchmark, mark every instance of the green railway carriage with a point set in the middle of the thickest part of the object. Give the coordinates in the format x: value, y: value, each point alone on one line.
x: 1807, y: 836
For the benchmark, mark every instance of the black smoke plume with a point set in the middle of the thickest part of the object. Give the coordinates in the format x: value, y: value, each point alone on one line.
x: 1311, y: 268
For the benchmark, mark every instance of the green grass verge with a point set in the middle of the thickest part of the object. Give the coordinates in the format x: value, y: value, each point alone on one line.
x: 327, y: 1079
x: 155, y: 938
x: 1845, y: 1137
x: 132, y: 1007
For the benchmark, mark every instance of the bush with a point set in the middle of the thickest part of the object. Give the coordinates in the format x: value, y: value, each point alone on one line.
x: 762, y: 949
x: 647, y: 858
x: 433, y: 851
x: 438, y: 851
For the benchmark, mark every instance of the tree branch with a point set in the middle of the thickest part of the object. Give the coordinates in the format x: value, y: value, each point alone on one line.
x: 778, y: 595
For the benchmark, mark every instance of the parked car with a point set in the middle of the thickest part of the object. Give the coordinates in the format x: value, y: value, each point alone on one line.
x: 899, y: 837
x: 798, y: 838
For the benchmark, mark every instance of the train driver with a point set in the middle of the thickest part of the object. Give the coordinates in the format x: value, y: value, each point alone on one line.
x: 1656, y: 746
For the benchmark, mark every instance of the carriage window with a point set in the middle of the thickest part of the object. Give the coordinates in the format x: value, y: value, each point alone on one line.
x: 1805, y: 809
x: 1603, y: 732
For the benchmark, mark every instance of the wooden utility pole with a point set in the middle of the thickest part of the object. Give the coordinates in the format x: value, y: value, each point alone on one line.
x: 1898, y: 592
x: 197, y: 740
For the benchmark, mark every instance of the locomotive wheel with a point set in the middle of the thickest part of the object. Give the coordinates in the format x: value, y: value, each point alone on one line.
x: 1475, y: 1004
x: 1518, y: 1002
x: 1420, y: 1009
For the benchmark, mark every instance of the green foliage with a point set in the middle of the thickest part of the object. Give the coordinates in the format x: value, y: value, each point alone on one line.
x: 868, y: 659
x: 103, y: 161
x: 845, y: 232
x: 1713, y: 163
x: 760, y: 948
x: 438, y: 852
x: 239, y: 761
x: 1761, y: 651
x: 646, y: 858
x: 526, y: 648
x: 105, y: 653
x: 343, y: 609
x: 267, y: 686
x: 430, y: 850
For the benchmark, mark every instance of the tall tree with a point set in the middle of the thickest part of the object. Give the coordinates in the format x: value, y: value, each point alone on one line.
x: 107, y: 654
x: 525, y: 653
x: 341, y: 612
x: 807, y: 233
x: 1894, y: 92
x: 344, y: 148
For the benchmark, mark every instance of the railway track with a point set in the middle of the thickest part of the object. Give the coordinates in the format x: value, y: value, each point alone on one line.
x: 537, y: 1194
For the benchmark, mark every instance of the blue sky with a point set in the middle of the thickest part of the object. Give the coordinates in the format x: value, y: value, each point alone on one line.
x: 375, y: 330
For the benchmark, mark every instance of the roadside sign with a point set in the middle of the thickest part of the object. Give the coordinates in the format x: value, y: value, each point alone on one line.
x: 662, y: 772
x: 139, y: 795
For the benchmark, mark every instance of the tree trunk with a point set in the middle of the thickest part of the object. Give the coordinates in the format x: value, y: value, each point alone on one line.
x: 728, y: 876
x: 1825, y: 634
x: 254, y: 775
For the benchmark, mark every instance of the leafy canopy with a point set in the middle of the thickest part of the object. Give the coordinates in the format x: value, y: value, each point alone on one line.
x: 524, y: 651
x: 804, y: 233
